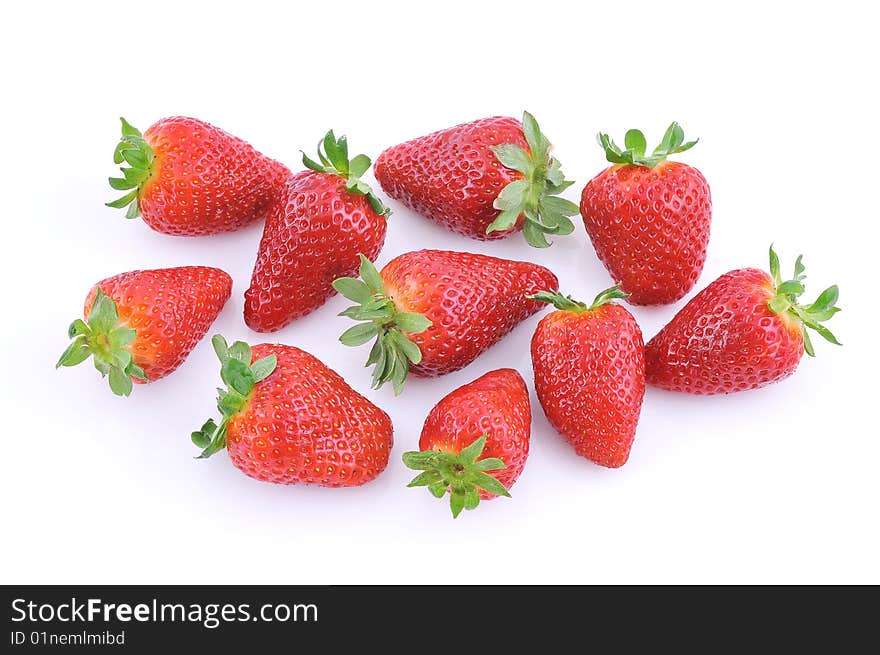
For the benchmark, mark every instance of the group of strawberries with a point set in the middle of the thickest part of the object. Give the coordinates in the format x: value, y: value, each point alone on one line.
x: 288, y: 418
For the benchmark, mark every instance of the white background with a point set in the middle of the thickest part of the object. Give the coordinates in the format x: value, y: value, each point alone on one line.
x: 778, y: 485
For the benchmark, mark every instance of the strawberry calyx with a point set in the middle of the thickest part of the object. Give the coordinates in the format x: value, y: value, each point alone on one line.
x: 462, y: 474
x: 101, y: 337
x: 636, y: 146
x: 393, y: 351
x: 536, y: 196
x: 808, y: 317
x: 133, y: 150
x: 567, y: 303
x: 333, y: 156
x: 240, y: 376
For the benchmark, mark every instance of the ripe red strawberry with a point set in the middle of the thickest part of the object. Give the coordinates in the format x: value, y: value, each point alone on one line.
x: 590, y: 374
x: 289, y: 419
x: 484, y: 179
x: 481, y: 426
x: 435, y: 311
x: 649, y: 218
x: 190, y: 178
x: 322, y: 219
x: 744, y: 331
x: 141, y: 325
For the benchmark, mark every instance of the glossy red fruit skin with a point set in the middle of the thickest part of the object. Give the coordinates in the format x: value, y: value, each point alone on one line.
x: 725, y: 339
x: 650, y: 227
x: 304, y: 425
x: 312, y: 236
x: 170, y: 308
x: 472, y: 300
x: 495, y: 404
x: 205, y: 181
x: 452, y: 176
x: 590, y: 379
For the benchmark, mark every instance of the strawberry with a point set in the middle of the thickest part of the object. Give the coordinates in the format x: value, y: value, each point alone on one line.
x: 289, y: 419
x: 322, y: 219
x: 189, y: 178
x: 743, y: 331
x: 590, y: 374
x: 435, y: 311
x: 484, y: 179
x: 481, y: 426
x: 648, y: 218
x: 141, y: 325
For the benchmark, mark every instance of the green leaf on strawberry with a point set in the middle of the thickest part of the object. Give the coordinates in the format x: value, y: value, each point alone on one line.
x: 393, y: 351
x: 535, y: 197
x: 567, y: 303
x: 333, y: 156
x: 461, y: 474
x: 809, y: 317
x: 635, y: 147
x: 133, y: 150
x: 107, y: 342
x: 241, y: 377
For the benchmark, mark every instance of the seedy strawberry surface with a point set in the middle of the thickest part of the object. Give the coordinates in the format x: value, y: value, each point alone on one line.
x: 313, y: 235
x: 496, y: 405
x: 589, y: 369
x: 471, y: 300
x: 303, y: 424
x: 650, y: 227
x: 453, y: 176
x: 171, y: 310
x: 203, y: 180
x: 726, y: 339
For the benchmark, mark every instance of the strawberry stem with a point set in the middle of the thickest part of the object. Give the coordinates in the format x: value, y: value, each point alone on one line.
x: 636, y: 145
x: 462, y: 474
x: 240, y: 376
x: 137, y: 153
x: 535, y: 196
x: 333, y: 156
x: 567, y: 303
x: 809, y: 317
x: 101, y: 337
x: 393, y: 351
